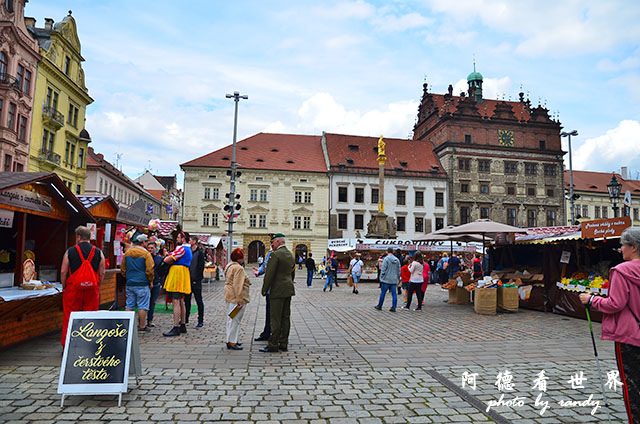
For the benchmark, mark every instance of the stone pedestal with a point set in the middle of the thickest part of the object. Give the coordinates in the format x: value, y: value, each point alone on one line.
x: 381, y: 226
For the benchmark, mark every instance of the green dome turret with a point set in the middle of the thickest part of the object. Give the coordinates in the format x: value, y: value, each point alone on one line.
x: 474, y: 76
x: 475, y: 84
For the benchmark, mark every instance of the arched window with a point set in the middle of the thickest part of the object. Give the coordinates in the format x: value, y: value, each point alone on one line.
x: 8, y: 4
x: 3, y: 65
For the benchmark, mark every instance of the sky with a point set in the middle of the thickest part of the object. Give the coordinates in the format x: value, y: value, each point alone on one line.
x: 158, y: 71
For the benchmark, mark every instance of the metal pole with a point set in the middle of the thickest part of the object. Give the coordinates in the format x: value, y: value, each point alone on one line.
x: 572, y: 201
x: 232, y: 188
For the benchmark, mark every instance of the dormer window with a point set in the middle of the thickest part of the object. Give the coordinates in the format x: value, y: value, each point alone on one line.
x: 259, y: 160
x: 275, y: 150
x: 225, y: 157
x: 244, y: 148
x: 67, y: 65
x: 290, y: 161
x: 349, y: 161
x: 403, y: 164
x: 354, y: 147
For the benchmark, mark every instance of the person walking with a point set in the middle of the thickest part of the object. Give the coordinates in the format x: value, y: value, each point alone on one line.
x: 416, y: 279
x: 443, y: 265
x: 355, y: 266
x: 300, y: 260
x: 196, y: 272
x: 158, y: 280
x: 331, y: 274
x: 178, y: 283
x: 278, y: 283
x: 236, y: 295
x: 311, y: 269
x: 433, y: 265
x: 137, y: 268
x: 405, y: 278
x: 621, y: 318
x: 389, y: 279
x: 81, y: 274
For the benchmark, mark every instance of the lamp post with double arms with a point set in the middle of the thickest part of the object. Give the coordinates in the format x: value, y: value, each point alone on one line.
x: 614, y: 188
x: 571, y: 196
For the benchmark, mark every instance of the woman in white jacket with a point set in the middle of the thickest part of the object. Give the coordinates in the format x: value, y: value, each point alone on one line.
x: 236, y: 294
x: 415, y: 284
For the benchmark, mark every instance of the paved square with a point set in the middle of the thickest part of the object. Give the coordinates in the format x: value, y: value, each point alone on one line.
x: 347, y: 363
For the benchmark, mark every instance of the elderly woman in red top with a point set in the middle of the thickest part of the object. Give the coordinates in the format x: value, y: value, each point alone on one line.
x: 621, y: 321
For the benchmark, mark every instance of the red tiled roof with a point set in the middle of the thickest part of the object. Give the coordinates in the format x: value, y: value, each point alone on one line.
x: 486, y: 108
x: 287, y: 152
x: 597, y: 182
x: 357, y: 152
x: 156, y: 193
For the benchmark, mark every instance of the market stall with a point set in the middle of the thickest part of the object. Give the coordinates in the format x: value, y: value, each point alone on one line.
x: 38, y: 215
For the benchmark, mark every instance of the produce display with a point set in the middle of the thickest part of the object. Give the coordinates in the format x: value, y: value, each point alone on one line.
x: 585, y: 283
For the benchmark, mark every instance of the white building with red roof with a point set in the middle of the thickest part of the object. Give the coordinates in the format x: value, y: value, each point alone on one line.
x: 284, y: 188
x: 415, y: 185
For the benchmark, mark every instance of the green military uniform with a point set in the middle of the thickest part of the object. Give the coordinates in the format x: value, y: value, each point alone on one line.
x: 278, y: 282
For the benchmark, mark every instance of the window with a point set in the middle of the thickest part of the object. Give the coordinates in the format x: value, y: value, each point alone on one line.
x: 439, y: 198
x: 531, y: 191
x: 7, y: 163
x: 605, y: 212
x: 532, y: 218
x: 464, y: 164
x: 11, y: 118
x: 596, y: 211
x: 375, y: 196
x: 253, y: 195
x: 401, y: 197
x: 253, y: 220
x: 67, y: 148
x: 402, y: 223
x: 262, y: 221
x: 72, y: 118
x: 585, y: 211
x: 216, y: 193
x: 419, y: 198
x: 3, y: 65
x: 484, y: 165
x: 297, y: 222
x: 22, y: 128
x: 214, y: 219
x: 465, y: 214
x: 510, y: 167
x: 359, y: 195
x: 636, y: 214
x: 207, y: 192
x: 78, y: 189
x: 542, y: 144
x: 342, y: 221
x: 306, y: 222
x: 551, y: 218
x: 359, y: 221
x: 464, y: 187
x: 484, y: 188
x: 1, y: 105
x: 100, y: 185
x: 80, y: 157
x: 26, y: 84
x: 484, y: 213
x: 549, y: 170
x: 8, y: 4
x: 19, y: 76
x: 17, y: 167
x: 205, y: 219
x: 439, y: 223
x: 67, y: 65
x: 342, y: 194
x: 467, y: 138
x: 511, y: 217
x: 419, y: 225
x: 263, y: 196
x: 531, y: 169
x: 511, y: 189
x: 550, y: 192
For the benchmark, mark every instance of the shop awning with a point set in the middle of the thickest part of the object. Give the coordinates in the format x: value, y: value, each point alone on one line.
x: 208, y: 239
x: 544, y: 235
x: 165, y: 228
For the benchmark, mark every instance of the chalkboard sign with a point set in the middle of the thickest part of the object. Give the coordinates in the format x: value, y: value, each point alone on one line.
x: 98, y: 353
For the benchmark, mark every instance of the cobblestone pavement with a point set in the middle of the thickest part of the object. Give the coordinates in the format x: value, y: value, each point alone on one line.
x: 347, y: 363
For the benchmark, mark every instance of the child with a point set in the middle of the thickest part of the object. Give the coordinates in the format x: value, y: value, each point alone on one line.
x: 405, y: 277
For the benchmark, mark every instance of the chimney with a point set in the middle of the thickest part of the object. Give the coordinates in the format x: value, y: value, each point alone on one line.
x: 29, y: 21
x: 101, y: 156
x: 624, y: 172
x: 48, y: 23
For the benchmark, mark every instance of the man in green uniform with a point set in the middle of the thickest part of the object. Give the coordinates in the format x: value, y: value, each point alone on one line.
x: 278, y: 282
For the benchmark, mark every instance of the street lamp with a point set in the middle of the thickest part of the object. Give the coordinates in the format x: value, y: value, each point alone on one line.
x: 236, y: 96
x: 571, y: 197
x: 614, y: 188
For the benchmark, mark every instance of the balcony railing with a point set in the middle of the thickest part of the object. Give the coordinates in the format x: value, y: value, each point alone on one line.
x: 50, y: 114
x: 50, y: 156
x: 10, y: 81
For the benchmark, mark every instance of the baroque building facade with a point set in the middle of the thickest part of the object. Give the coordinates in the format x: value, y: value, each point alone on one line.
x: 59, y: 142
x: 19, y: 59
x: 414, y: 186
x: 283, y: 188
x: 503, y: 158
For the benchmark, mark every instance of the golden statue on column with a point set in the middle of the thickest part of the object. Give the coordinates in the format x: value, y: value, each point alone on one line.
x: 381, y: 225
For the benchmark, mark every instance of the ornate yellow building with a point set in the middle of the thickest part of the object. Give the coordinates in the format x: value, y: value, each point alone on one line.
x: 59, y: 142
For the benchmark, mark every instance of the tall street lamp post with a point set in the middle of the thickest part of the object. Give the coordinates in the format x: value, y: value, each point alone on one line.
x: 614, y: 188
x: 571, y: 196
x: 231, y: 206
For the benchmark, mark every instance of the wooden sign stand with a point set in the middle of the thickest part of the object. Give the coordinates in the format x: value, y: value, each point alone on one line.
x: 101, y: 351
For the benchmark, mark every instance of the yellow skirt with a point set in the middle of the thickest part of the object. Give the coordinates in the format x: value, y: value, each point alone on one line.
x: 178, y: 280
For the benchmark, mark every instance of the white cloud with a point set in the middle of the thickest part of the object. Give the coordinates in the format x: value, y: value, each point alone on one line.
x: 617, y: 147
x: 383, y: 18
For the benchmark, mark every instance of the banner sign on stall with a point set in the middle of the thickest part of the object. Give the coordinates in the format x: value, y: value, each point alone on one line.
x: 605, y: 228
x: 345, y: 245
x: 135, y: 214
x: 6, y: 218
x: 100, y: 350
x: 26, y: 199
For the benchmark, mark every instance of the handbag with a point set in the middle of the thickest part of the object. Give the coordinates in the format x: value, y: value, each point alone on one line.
x: 349, y: 280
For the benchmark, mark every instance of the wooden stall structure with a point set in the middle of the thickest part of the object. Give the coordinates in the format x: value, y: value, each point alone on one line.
x: 38, y: 216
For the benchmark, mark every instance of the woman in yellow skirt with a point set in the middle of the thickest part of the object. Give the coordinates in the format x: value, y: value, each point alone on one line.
x: 178, y: 283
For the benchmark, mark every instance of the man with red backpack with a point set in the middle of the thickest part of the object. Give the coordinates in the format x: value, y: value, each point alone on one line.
x: 81, y: 273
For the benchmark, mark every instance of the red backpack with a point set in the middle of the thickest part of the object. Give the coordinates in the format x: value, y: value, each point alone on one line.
x: 84, y: 277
